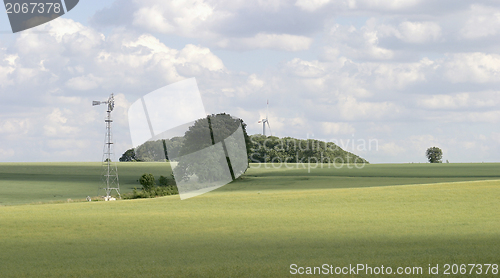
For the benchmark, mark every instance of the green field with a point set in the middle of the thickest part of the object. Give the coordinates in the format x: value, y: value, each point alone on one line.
x: 45, y: 182
x: 406, y: 215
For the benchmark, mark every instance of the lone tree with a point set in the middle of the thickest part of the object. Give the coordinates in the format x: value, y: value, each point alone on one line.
x: 434, y: 155
x: 147, y: 181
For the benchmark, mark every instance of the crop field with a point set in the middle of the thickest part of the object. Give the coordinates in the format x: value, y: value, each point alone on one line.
x: 405, y: 215
x: 22, y: 183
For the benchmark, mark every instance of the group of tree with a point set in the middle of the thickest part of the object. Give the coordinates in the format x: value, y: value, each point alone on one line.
x: 292, y: 150
x: 150, y: 189
x: 215, y: 128
x: 207, y: 147
x: 155, y: 150
x: 194, y: 152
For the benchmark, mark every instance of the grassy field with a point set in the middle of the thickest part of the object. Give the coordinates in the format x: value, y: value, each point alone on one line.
x: 408, y: 215
x: 45, y: 182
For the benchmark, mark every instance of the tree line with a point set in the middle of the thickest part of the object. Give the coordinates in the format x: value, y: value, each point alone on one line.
x: 260, y: 148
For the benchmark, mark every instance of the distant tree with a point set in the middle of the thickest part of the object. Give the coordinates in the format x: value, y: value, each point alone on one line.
x: 163, y: 181
x: 129, y: 155
x: 204, y: 133
x: 151, y: 151
x: 158, y: 150
x: 272, y: 148
x: 434, y: 155
x: 147, y: 181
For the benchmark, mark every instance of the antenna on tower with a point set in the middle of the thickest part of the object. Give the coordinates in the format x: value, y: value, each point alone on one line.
x: 266, y: 121
x: 110, y: 175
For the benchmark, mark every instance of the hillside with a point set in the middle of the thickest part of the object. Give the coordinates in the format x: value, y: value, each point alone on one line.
x: 260, y: 149
x: 278, y: 150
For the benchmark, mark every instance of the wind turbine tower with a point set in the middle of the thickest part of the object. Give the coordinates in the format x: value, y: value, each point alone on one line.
x: 110, y: 170
x: 266, y: 121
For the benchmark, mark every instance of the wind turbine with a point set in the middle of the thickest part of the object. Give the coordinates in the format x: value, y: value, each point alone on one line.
x: 266, y: 121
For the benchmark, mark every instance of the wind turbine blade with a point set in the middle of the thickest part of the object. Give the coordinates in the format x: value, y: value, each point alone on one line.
x: 267, y: 108
x: 270, y: 131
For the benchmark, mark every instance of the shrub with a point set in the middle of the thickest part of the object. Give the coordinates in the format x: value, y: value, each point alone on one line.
x: 157, y: 191
x: 149, y: 190
x: 163, y: 181
x: 147, y: 181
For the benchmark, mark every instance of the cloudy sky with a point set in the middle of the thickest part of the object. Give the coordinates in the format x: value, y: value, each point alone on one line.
x: 407, y: 74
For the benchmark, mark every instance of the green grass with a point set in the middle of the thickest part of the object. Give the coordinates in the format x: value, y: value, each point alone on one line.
x: 48, y: 182
x: 56, y: 182
x: 258, y: 226
x: 297, y: 177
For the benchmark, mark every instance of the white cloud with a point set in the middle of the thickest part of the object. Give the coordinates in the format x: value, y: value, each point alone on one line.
x: 337, y: 128
x: 77, y: 38
x: 201, y: 57
x: 6, y: 153
x: 422, y: 142
x: 14, y: 126
x: 373, y: 50
x: 56, y: 124
x: 254, y: 81
x: 149, y: 42
x: 309, y: 69
x: 64, y: 80
x: 179, y: 17
x: 351, y: 109
x: 311, y: 5
x: 68, y: 144
x: 268, y: 41
x: 11, y: 59
x: 372, y: 76
x: 483, y: 21
x: 358, y: 43
x: 268, y: 5
x: 400, y: 75
x: 419, y: 32
x: 84, y: 83
x: 392, y: 149
x: 390, y: 5
x: 460, y: 100
x: 474, y: 67
x: 152, y: 19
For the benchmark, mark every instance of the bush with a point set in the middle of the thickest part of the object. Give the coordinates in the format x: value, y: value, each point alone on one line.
x: 163, y: 181
x: 147, y: 181
x: 157, y: 191
x: 149, y: 190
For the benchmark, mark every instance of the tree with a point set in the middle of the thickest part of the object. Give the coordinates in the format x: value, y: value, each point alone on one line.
x: 276, y: 150
x: 150, y: 151
x: 434, y: 155
x: 158, y: 150
x: 129, y: 155
x: 163, y: 181
x: 206, y: 146
x: 147, y: 181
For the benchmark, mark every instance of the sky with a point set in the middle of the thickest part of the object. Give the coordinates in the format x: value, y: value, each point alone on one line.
x: 385, y: 79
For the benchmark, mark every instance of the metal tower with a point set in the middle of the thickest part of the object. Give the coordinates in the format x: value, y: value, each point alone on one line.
x: 110, y: 170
